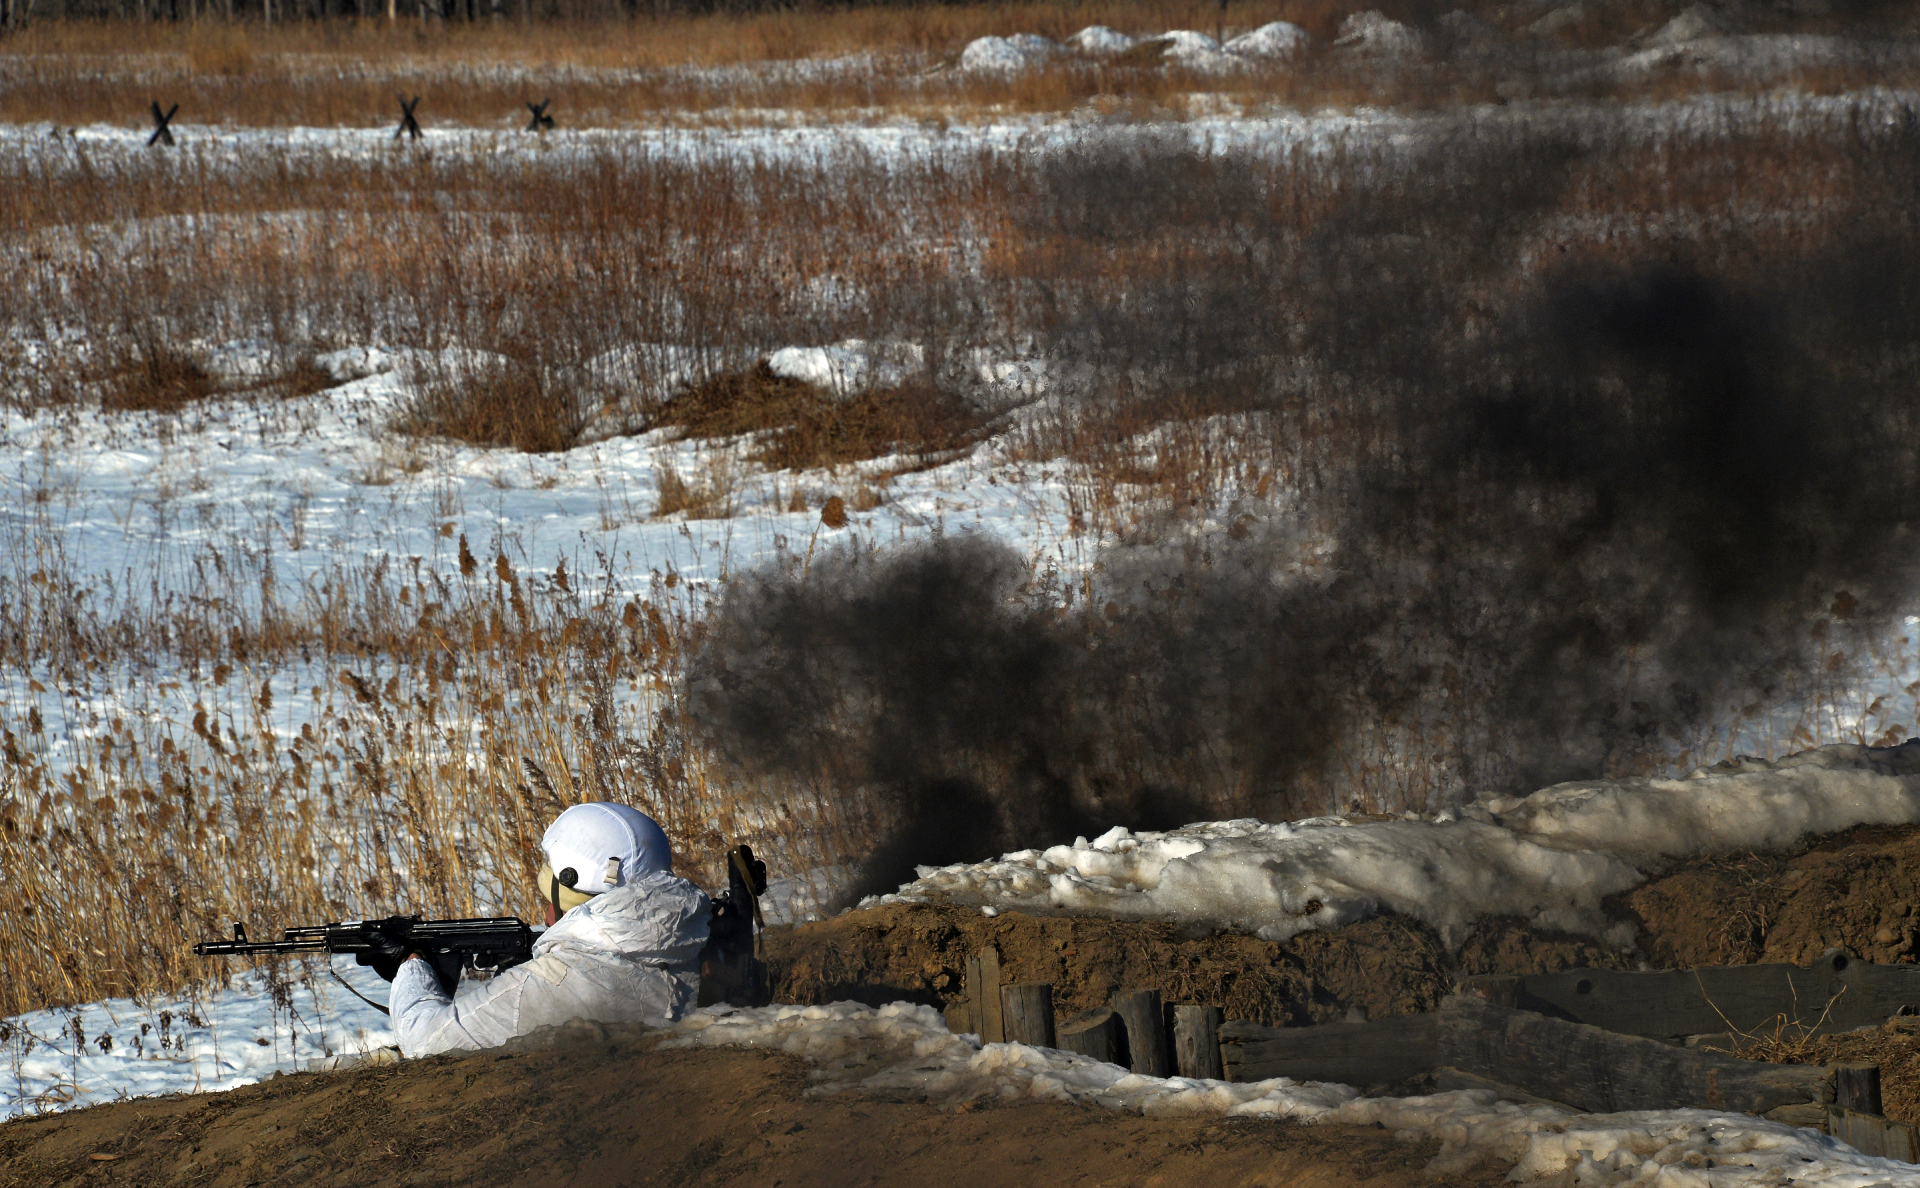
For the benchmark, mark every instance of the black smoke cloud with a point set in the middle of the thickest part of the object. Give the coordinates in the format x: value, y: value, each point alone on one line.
x: 1573, y: 541
x: 1633, y: 512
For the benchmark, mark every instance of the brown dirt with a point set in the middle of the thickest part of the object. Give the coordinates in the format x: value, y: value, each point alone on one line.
x: 633, y: 1115
x: 1389, y: 965
x: 1856, y: 890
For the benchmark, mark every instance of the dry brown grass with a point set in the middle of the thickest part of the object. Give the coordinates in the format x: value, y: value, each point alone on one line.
x: 495, y: 401
x: 346, y: 72
x: 156, y: 376
x: 721, y: 39
x: 808, y: 428
x: 1894, y: 1046
x: 711, y: 494
x: 406, y: 789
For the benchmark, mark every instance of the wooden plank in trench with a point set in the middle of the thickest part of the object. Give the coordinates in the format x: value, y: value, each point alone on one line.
x: 1377, y: 1053
x: 1835, y: 993
x: 1602, y: 1071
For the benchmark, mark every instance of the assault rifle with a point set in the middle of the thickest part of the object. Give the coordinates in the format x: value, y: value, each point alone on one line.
x: 730, y: 969
x: 450, y: 946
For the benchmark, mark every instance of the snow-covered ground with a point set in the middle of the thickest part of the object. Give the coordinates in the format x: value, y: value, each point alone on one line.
x: 137, y: 505
x: 107, y: 1051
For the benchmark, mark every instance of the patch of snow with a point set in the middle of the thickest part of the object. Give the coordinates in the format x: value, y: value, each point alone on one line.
x: 1698, y: 21
x: 358, y: 362
x: 126, y: 1048
x: 1195, y: 51
x: 1007, y: 54
x: 1279, y: 39
x: 1373, y: 32
x: 902, y: 1050
x: 1549, y: 858
x: 251, y: 360
x: 650, y: 369
x: 1098, y: 39
x: 849, y: 367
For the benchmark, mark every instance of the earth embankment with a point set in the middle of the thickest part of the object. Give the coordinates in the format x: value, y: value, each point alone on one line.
x: 634, y: 1114
x: 1856, y: 890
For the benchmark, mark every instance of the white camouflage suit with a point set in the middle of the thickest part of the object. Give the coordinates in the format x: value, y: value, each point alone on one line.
x: 630, y: 955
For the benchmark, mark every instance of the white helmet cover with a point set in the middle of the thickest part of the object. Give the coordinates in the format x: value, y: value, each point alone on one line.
x: 605, y: 846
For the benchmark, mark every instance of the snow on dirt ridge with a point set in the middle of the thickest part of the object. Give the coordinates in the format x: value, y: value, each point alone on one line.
x: 904, y: 1050
x: 1549, y: 858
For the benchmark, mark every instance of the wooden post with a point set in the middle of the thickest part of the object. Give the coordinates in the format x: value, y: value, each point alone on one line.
x: 1870, y: 1134
x: 1856, y: 1087
x: 983, y: 991
x: 959, y: 1017
x: 1903, y: 1142
x: 1027, y: 1013
x: 1098, y: 1033
x: 1196, y: 1042
x: 1146, y: 1032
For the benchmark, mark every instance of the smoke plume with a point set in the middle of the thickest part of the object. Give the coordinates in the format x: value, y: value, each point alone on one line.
x: 1575, y: 531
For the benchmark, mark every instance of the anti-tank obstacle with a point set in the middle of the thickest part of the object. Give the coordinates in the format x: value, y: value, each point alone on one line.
x: 162, y: 133
x: 409, y: 127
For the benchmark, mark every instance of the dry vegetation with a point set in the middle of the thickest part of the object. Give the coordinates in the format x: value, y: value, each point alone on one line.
x: 407, y: 783
x: 855, y: 62
x: 1244, y: 322
x: 806, y: 427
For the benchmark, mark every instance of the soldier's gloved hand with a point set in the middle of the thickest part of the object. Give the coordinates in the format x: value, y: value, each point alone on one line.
x: 383, y: 954
x: 446, y: 968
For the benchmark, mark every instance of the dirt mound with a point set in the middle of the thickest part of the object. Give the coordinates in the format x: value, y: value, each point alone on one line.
x: 1388, y: 965
x: 1855, y: 890
x: 633, y: 1115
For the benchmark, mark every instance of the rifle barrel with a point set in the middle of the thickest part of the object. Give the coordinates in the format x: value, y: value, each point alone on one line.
x: 317, y: 944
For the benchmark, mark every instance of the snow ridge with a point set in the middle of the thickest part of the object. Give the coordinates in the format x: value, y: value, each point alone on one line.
x: 1548, y: 858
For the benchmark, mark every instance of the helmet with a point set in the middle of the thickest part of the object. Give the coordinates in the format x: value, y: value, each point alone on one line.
x: 593, y: 848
